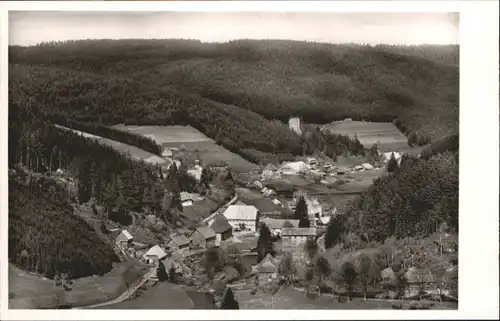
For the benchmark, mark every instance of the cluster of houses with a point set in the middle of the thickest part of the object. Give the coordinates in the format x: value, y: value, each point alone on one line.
x: 311, y: 168
x: 236, y: 220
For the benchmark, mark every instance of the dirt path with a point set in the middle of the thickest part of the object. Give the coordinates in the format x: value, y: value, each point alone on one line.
x: 218, y: 211
x: 125, y: 295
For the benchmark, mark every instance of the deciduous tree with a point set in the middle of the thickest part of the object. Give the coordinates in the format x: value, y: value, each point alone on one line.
x: 349, y: 275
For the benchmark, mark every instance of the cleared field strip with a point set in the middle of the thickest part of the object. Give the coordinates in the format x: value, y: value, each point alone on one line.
x: 133, y: 151
x: 167, y: 134
x: 369, y: 133
x: 193, y: 142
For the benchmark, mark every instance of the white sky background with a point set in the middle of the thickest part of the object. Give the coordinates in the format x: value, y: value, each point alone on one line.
x: 32, y: 27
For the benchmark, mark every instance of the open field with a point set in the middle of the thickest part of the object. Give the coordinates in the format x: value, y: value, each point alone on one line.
x: 200, y: 209
x: 134, y: 152
x: 194, y: 144
x: 29, y: 291
x: 369, y: 133
x: 162, y: 296
x: 167, y: 134
x: 290, y: 298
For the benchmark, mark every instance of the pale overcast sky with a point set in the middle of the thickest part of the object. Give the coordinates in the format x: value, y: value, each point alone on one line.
x: 29, y: 28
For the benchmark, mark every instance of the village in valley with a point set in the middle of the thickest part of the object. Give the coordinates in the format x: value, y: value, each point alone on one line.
x: 264, y: 237
x: 249, y: 174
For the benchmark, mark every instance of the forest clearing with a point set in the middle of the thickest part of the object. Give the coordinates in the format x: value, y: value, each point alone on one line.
x: 192, y: 144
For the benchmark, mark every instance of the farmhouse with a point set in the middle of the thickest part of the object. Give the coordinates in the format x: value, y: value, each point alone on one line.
x: 203, y: 237
x: 242, y: 217
x: 176, y: 162
x: 418, y: 279
x: 269, y: 172
x: 167, y: 153
x: 195, y: 172
x: 325, y: 220
x: 294, y: 125
x: 178, y: 243
x: 294, y: 238
x: 124, y: 239
x: 367, y: 166
x: 387, y: 156
x: 267, y: 208
x: 258, y: 184
x: 154, y: 255
x: 314, y: 207
x: 267, y: 268
x: 223, y: 230
x: 342, y: 171
x: 311, y: 161
x: 186, y: 199
x: 227, y: 275
x: 249, y: 258
x: 170, y: 264
x: 275, y: 225
x: 388, y: 276
x: 293, y: 168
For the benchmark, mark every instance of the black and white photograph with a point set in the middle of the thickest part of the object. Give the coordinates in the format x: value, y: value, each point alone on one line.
x: 253, y: 160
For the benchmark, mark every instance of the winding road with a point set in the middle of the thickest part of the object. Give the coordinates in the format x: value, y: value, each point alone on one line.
x: 124, y: 296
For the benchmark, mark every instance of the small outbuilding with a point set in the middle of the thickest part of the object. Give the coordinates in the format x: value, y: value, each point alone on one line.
x: 124, y: 239
x: 154, y: 254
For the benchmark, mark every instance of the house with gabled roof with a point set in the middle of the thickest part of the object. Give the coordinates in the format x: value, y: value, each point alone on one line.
x: 154, y: 254
x: 242, y: 217
x: 267, y: 268
x: 294, y: 238
x: 178, y: 243
x: 223, y: 230
x: 124, y: 239
x: 418, y: 279
x: 203, y: 237
x: 275, y: 225
x: 167, y: 153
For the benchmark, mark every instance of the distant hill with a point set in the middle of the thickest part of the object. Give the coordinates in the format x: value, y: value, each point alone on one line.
x: 417, y: 87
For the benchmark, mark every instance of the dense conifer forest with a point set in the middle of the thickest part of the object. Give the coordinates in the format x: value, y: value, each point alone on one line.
x: 104, y: 131
x: 227, y: 89
x: 46, y: 238
x: 40, y: 202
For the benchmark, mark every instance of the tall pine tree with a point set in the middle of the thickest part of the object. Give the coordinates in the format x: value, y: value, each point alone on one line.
x: 228, y: 300
x: 264, y: 243
x: 392, y: 165
x: 301, y: 213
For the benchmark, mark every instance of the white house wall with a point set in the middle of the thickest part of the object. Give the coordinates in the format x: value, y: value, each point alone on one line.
x: 249, y: 225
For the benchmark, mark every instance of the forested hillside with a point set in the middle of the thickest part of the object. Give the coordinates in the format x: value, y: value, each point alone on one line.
x: 417, y: 87
x: 95, y: 98
x: 44, y: 234
x: 47, y: 238
x: 126, y: 137
x: 412, y: 202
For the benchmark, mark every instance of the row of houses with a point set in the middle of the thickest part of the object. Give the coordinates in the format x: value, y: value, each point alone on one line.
x: 237, y: 218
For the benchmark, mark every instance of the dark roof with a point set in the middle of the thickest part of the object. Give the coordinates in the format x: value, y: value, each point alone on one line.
x: 220, y: 224
x: 265, y: 205
x: 180, y: 240
x: 228, y: 273
x: 206, y: 232
x: 278, y: 223
x: 298, y: 231
x: 267, y: 265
